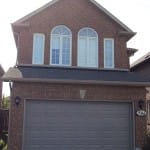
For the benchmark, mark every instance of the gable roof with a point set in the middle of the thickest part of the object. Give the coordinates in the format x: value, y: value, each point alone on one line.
x: 141, y: 60
x: 92, y: 1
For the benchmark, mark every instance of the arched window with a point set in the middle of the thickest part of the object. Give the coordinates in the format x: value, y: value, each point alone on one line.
x: 61, y: 46
x: 87, y: 48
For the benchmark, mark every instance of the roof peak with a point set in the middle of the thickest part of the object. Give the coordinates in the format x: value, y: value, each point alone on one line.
x: 92, y: 1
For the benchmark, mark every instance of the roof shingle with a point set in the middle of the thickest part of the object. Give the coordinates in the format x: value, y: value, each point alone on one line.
x: 40, y: 73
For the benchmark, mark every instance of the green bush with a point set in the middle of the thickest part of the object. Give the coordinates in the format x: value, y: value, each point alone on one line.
x: 3, y: 145
x: 3, y: 141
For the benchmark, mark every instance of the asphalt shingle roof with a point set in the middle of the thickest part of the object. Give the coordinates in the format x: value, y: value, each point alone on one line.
x: 73, y: 74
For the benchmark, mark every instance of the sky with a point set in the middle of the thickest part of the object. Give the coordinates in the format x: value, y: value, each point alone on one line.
x: 134, y: 13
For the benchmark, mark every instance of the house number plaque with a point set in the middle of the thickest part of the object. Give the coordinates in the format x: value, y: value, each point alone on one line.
x: 141, y: 113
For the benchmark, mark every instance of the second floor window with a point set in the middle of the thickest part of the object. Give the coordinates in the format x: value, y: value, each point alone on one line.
x: 87, y: 48
x: 38, y: 48
x: 108, y: 53
x: 61, y: 43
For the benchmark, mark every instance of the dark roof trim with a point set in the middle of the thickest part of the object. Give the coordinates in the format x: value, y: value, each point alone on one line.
x: 125, y: 33
x: 116, y: 83
x: 74, y: 75
x: 92, y: 1
x: 141, y: 60
x: 72, y: 67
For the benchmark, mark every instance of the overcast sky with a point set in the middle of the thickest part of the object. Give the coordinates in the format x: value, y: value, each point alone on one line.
x: 134, y: 13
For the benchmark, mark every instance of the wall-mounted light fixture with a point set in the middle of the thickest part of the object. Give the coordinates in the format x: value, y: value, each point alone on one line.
x: 17, y: 100
x: 141, y: 112
x: 141, y: 104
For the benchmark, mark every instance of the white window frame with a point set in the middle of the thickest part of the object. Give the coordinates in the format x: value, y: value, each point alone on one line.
x: 113, y: 62
x: 33, y: 51
x: 87, y: 39
x: 61, y: 37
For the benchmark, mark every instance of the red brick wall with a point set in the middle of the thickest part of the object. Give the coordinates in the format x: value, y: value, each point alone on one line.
x: 75, y: 14
x: 70, y: 92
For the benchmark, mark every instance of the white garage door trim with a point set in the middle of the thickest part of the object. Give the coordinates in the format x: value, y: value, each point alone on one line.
x: 132, y: 119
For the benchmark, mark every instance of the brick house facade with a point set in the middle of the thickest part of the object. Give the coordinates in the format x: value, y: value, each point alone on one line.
x: 58, y: 76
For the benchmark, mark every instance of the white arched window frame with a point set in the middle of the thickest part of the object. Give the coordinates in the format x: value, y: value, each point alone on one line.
x: 87, y: 48
x: 38, y: 48
x: 61, y: 46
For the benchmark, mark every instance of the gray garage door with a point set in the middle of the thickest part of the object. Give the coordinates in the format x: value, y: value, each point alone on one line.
x: 62, y: 125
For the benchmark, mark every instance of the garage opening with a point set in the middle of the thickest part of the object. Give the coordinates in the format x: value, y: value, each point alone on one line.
x: 76, y: 125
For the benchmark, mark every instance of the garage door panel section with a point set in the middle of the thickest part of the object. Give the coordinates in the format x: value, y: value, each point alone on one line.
x: 77, y: 125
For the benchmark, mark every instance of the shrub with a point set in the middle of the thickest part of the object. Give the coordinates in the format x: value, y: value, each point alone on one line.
x: 3, y: 141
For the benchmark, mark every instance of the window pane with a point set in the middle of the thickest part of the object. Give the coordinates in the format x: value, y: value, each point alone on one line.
x: 55, y: 56
x: 66, y: 51
x: 38, y: 49
x: 55, y: 50
x: 83, y: 32
x: 57, y: 31
x: 87, y: 32
x: 109, y: 56
x: 65, y: 31
x: 91, y: 33
x: 92, y: 55
x: 61, y: 30
x: 82, y: 54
